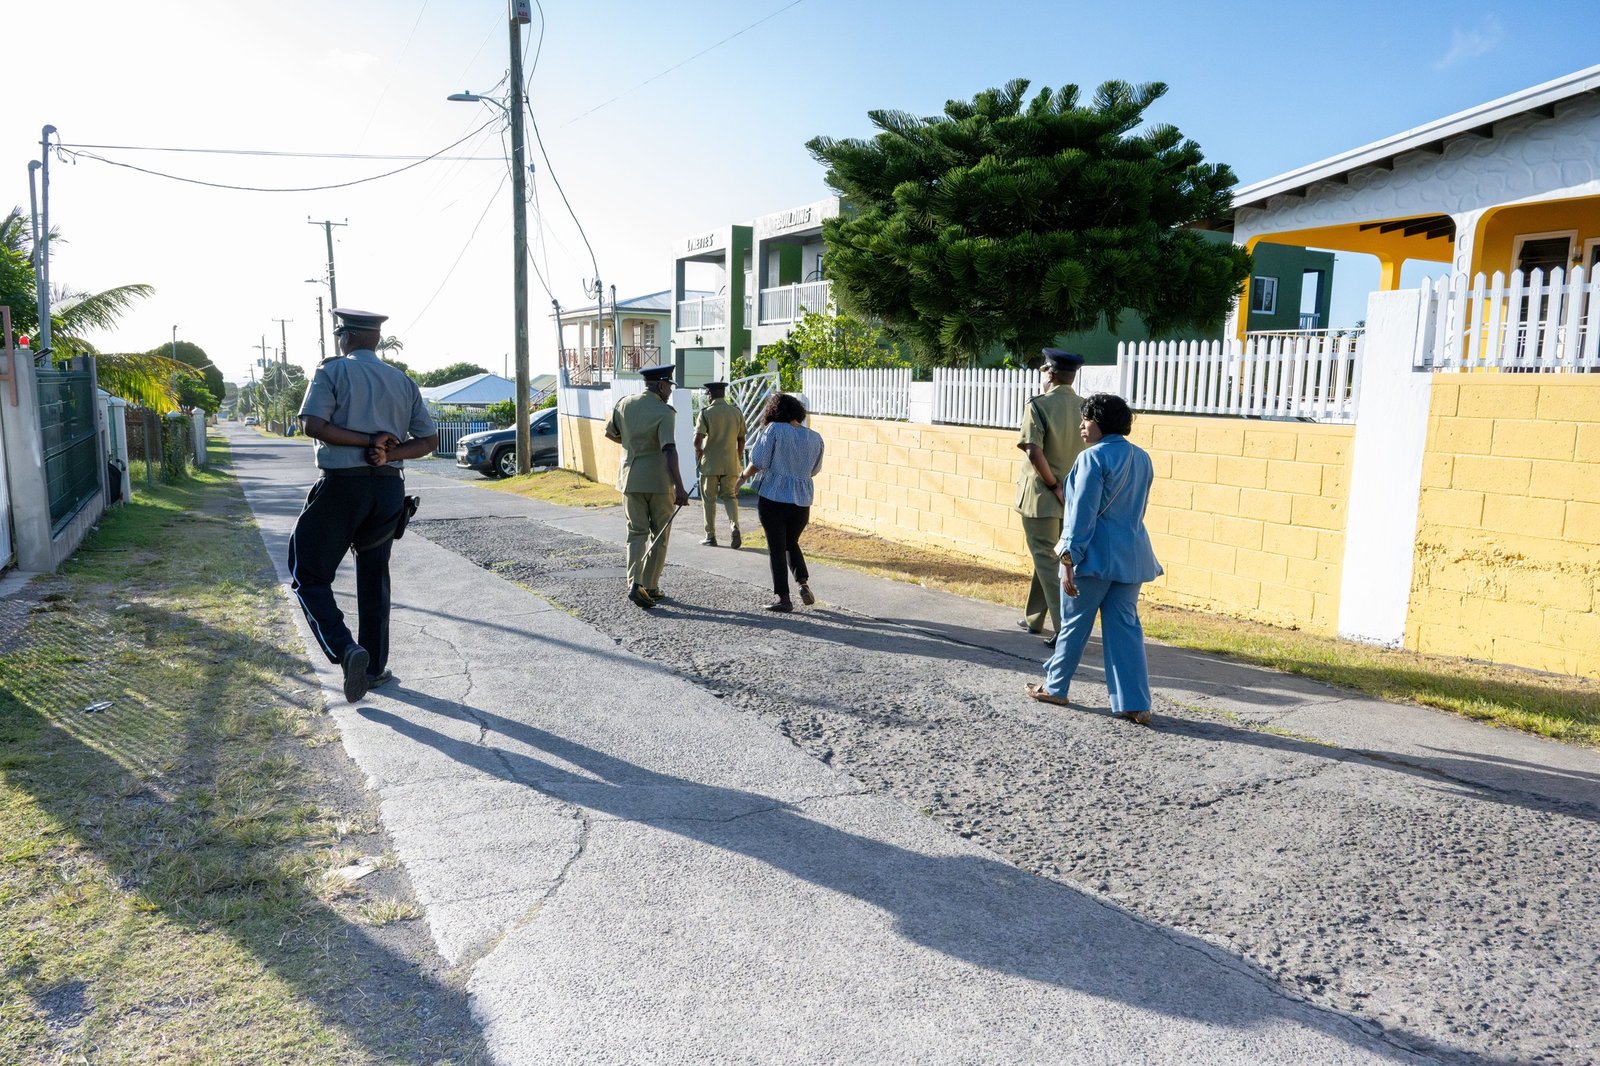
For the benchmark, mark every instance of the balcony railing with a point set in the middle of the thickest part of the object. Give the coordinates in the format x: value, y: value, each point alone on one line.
x: 787, y: 303
x: 706, y: 312
x: 1310, y: 321
x: 628, y: 356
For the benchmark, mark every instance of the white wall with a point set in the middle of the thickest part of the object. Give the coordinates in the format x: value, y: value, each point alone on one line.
x: 1385, y: 473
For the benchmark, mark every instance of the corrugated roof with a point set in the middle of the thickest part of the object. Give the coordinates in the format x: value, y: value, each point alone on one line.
x: 1476, y: 121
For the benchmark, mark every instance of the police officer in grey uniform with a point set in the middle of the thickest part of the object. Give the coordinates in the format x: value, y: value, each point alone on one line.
x: 366, y: 417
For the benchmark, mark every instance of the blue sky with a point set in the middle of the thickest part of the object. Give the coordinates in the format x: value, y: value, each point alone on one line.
x: 719, y: 139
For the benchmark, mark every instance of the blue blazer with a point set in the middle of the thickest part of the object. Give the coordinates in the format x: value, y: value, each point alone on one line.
x: 1103, y: 530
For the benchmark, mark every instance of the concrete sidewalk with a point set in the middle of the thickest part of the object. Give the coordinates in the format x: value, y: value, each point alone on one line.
x: 638, y: 872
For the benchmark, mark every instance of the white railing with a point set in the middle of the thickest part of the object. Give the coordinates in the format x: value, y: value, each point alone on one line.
x: 1532, y: 323
x: 858, y: 393
x: 787, y: 303
x: 1310, y: 375
x: 982, y: 397
x: 705, y: 312
x: 1310, y: 320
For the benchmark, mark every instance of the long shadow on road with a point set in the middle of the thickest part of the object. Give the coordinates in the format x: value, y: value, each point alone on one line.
x: 978, y: 910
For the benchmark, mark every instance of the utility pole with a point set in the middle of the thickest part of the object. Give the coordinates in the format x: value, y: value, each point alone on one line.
x: 327, y: 231
x: 519, y: 13
x: 283, y: 334
x: 322, y: 333
x: 599, y: 294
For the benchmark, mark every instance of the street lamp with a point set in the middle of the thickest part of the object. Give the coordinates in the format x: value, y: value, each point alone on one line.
x: 519, y: 228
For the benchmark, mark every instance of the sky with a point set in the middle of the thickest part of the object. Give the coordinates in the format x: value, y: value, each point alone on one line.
x: 658, y: 121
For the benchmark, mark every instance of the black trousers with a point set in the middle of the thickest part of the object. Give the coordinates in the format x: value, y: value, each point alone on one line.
x: 783, y: 523
x: 341, y: 513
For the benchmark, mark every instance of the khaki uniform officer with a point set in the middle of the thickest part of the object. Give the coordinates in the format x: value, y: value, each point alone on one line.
x: 719, y: 449
x: 367, y: 417
x: 1049, y: 438
x: 649, y: 479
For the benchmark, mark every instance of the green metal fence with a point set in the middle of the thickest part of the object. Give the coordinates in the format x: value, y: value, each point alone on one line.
x: 67, y: 426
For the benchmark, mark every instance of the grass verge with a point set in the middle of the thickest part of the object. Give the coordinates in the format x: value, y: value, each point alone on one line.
x: 1549, y: 705
x: 170, y: 808
x: 564, y: 487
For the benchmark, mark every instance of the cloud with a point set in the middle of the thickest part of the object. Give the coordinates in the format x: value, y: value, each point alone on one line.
x: 349, y: 62
x: 1470, y: 44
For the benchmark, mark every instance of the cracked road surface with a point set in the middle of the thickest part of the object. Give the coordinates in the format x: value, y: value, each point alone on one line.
x: 710, y: 834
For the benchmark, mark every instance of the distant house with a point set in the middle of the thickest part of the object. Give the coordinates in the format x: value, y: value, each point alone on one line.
x: 598, y: 343
x: 481, y: 390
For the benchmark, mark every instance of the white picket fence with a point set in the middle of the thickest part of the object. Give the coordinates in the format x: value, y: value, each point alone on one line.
x: 1311, y: 375
x: 982, y: 397
x: 858, y: 393
x: 1533, y: 323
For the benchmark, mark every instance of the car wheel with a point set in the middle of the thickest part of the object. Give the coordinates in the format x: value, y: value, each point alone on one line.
x: 505, y: 463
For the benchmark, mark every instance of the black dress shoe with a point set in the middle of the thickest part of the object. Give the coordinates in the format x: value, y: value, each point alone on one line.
x: 354, y: 664
x: 1050, y: 641
x: 710, y: 542
x: 735, y: 540
x: 379, y: 680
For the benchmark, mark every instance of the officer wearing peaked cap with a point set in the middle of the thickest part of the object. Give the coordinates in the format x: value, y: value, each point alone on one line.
x: 366, y: 417
x: 1050, y: 442
x: 719, y: 453
x: 649, y: 479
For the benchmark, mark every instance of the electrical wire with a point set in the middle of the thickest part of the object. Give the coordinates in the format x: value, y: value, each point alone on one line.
x: 538, y: 139
x: 470, y: 238
x: 378, y: 103
x: 257, y: 188
x: 681, y: 63
x: 282, y: 155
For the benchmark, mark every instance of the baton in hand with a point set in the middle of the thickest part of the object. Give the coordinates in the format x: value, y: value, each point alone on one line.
x: 650, y: 545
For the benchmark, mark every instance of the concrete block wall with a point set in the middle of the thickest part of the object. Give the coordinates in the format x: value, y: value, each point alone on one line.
x: 1507, y: 561
x: 936, y: 486
x: 1248, y: 517
x: 584, y: 448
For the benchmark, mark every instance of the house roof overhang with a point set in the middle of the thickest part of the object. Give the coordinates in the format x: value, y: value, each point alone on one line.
x: 1540, y: 100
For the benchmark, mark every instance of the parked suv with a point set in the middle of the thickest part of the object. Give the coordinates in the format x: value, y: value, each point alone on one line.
x: 493, y: 453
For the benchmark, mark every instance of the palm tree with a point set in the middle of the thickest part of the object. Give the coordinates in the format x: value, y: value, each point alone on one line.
x: 150, y: 380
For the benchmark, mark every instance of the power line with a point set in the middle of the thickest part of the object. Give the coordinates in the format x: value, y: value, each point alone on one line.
x: 379, y: 102
x: 470, y: 238
x: 593, y: 262
x: 257, y: 188
x: 284, y: 155
x: 684, y: 62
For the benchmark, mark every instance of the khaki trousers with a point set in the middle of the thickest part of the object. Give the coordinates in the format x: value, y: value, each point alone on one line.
x: 726, y: 488
x: 648, y: 513
x: 1044, y: 594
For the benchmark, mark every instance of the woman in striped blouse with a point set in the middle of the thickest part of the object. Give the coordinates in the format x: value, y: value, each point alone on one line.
x: 787, y: 456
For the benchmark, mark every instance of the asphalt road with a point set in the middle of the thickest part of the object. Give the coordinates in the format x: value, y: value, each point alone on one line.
x: 1460, y: 919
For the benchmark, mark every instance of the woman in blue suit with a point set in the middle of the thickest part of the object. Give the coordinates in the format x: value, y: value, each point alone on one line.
x: 1105, y: 556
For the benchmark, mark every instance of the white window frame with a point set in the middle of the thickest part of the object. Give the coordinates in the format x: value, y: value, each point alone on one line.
x: 1263, y: 285
x: 1590, y: 246
x: 1523, y: 238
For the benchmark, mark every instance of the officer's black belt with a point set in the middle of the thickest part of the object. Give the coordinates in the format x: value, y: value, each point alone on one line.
x: 363, y: 471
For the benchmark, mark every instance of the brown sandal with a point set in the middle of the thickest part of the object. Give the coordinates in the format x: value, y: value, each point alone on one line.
x: 1136, y: 717
x: 1037, y: 691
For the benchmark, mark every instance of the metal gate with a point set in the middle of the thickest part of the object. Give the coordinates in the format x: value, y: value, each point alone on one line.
x: 70, y: 438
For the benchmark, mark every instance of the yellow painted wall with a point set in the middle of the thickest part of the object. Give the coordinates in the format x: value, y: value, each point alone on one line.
x: 1498, y: 230
x: 1247, y: 517
x: 1508, y: 537
x: 584, y: 448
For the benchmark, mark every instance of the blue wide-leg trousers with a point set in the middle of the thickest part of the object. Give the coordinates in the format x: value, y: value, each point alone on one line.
x: 1121, y: 638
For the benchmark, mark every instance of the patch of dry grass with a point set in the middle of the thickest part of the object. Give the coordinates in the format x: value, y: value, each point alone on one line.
x: 565, y: 487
